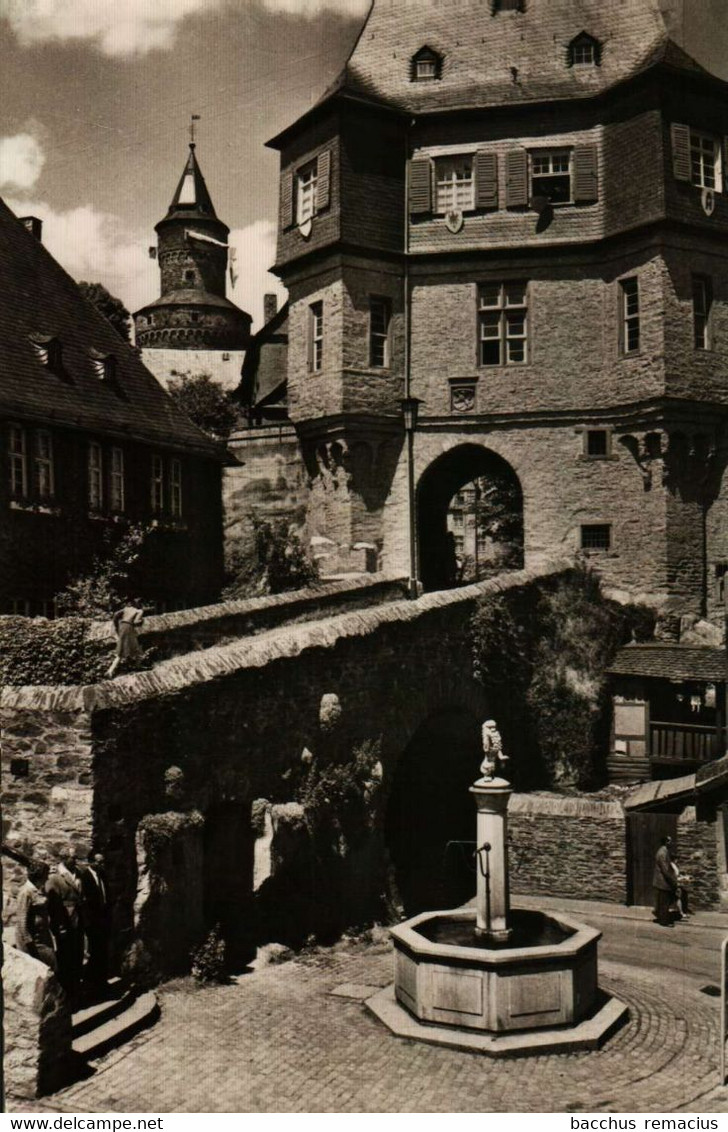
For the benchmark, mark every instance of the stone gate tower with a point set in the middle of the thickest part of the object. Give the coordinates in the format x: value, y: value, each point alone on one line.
x: 516, y: 211
x: 193, y: 326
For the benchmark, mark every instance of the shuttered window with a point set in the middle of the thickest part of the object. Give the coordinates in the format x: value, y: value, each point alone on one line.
x: 286, y: 206
x: 323, y: 183
x: 455, y: 189
x: 486, y: 180
x: 696, y: 157
x: 306, y: 180
x: 307, y: 192
x: 420, y: 186
x: 517, y: 179
x: 586, y: 177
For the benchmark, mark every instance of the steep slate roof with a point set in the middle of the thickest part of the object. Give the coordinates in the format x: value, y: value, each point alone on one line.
x: 264, y: 373
x: 191, y: 197
x: 40, y: 298
x: 670, y: 662
x: 481, y: 49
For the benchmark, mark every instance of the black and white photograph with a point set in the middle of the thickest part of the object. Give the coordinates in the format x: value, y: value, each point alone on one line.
x: 364, y: 559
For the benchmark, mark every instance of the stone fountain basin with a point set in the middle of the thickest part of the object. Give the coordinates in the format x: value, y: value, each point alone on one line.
x: 497, y: 990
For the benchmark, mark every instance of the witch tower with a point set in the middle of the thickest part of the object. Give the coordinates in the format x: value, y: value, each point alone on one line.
x: 193, y: 327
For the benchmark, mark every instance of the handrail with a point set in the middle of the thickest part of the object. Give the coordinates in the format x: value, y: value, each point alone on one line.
x: 700, y: 728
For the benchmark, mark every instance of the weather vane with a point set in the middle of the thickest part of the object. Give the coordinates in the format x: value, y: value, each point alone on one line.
x: 193, y: 118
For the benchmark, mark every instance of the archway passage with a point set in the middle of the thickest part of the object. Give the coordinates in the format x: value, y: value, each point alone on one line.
x: 430, y: 818
x: 469, y: 518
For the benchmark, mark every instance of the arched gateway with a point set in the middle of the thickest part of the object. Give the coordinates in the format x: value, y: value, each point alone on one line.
x: 469, y: 517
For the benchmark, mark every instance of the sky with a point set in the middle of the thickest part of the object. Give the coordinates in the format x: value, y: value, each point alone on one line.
x: 95, y: 111
x: 96, y: 103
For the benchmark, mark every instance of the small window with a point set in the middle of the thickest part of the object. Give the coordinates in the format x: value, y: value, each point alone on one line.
x: 551, y: 175
x: 157, y: 484
x: 705, y: 161
x: 104, y: 365
x: 316, y: 336
x: 702, y: 305
x: 596, y: 442
x: 584, y: 51
x: 189, y: 276
x: 503, y: 324
x: 426, y: 65
x: 306, y: 181
x: 95, y: 477
x: 380, y: 313
x: 18, y: 458
x: 43, y: 465
x: 175, y: 488
x: 20, y: 768
x: 630, y: 315
x: 454, y: 184
x: 508, y: 6
x: 596, y: 536
x: 48, y: 350
x: 116, y: 480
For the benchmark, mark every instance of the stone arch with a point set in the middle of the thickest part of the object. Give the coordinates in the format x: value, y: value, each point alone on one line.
x: 447, y: 475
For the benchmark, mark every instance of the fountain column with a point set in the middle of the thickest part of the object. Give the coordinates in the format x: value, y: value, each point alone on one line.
x: 492, y: 899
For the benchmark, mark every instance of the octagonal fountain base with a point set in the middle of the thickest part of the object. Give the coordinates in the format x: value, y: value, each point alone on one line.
x: 538, y: 993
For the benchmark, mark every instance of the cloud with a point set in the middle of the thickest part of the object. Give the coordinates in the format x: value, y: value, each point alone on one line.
x: 129, y: 28
x: 21, y: 162
x: 96, y: 246
x: 255, y: 251
x: 117, y: 27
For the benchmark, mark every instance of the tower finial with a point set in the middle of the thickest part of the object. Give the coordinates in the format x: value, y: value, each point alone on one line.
x: 193, y: 118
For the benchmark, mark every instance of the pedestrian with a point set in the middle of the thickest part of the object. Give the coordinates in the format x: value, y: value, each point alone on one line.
x: 96, y: 914
x: 127, y: 621
x: 32, y: 926
x: 664, y: 883
x: 680, y: 903
x: 63, y: 889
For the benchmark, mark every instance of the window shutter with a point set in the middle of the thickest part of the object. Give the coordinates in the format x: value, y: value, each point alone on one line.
x: 681, y: 152
x: 486, y: 180
x: 286, y: 200
x: 517, y: 179
x: 420, y: 186
x: 586, y: 177
x: 323, y: 180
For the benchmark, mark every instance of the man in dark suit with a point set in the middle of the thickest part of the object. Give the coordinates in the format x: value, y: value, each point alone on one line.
x: 664, y: 882
x: 63, y: 890
x: 96, y: 919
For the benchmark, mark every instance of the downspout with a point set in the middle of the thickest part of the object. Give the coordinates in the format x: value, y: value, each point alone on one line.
x: 411, y: 500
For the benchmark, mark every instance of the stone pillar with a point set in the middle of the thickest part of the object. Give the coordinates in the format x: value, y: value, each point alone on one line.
x: 492, y: 899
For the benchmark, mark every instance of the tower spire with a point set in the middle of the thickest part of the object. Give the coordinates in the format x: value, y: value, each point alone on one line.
x: 193, y: 118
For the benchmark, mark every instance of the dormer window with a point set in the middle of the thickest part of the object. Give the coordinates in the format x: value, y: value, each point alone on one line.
x: 426, y: 65
x: 585, y: 51
x: 48, y: 351
x: 104, y: 365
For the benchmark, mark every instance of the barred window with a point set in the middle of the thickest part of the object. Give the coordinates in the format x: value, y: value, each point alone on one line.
x: 43, y: 465
x: 95, y: 477
x: 18, y: 458
x: 455, y: 187
x: 596, y: 536
x: 116, y: 479
x: 630, y: 315
x: 380, y: 312
x: 503, y: 324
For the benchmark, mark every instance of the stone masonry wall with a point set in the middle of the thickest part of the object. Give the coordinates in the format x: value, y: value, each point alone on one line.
x: 36, y: 1028
x: 698, y: 857
x: 567, y: 847
x: 47, y: 777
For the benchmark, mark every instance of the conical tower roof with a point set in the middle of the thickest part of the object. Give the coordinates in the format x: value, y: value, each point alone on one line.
x: 191, y: 195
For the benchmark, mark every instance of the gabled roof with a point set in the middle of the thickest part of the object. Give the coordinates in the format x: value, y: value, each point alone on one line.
x: 265, y: 369
x: 191, y: 196
x: 670, y: 662
x: 506, y: 58
x: 40, y: 298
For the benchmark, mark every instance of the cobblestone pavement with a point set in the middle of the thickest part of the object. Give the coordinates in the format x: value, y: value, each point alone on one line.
x: 279, y: 1041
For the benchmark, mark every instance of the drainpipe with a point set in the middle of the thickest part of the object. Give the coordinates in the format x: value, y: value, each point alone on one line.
x: 411, y: 504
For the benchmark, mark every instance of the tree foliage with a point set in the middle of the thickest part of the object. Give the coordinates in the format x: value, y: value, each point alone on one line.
x: 114, y: 578
x: 109, y: 306
x: 205, y: 402
x: 279, y: 562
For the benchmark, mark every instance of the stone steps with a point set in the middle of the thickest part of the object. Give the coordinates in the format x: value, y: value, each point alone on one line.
x: 108, y: 1024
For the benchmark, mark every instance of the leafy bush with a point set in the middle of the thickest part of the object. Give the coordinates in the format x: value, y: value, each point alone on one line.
x: 544, y: 652
x: 205, y: 402
x: 208, y: 960
x: 340, y: 799
x: 34, y: 651
x: 279, y: 562
x: 114, y: 577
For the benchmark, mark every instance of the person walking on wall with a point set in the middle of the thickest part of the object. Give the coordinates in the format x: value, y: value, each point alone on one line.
x: 63, y: 889
x: 96, y: 917
x: 127, y: 622
x: 32, y: 924
x: 664, y: 882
